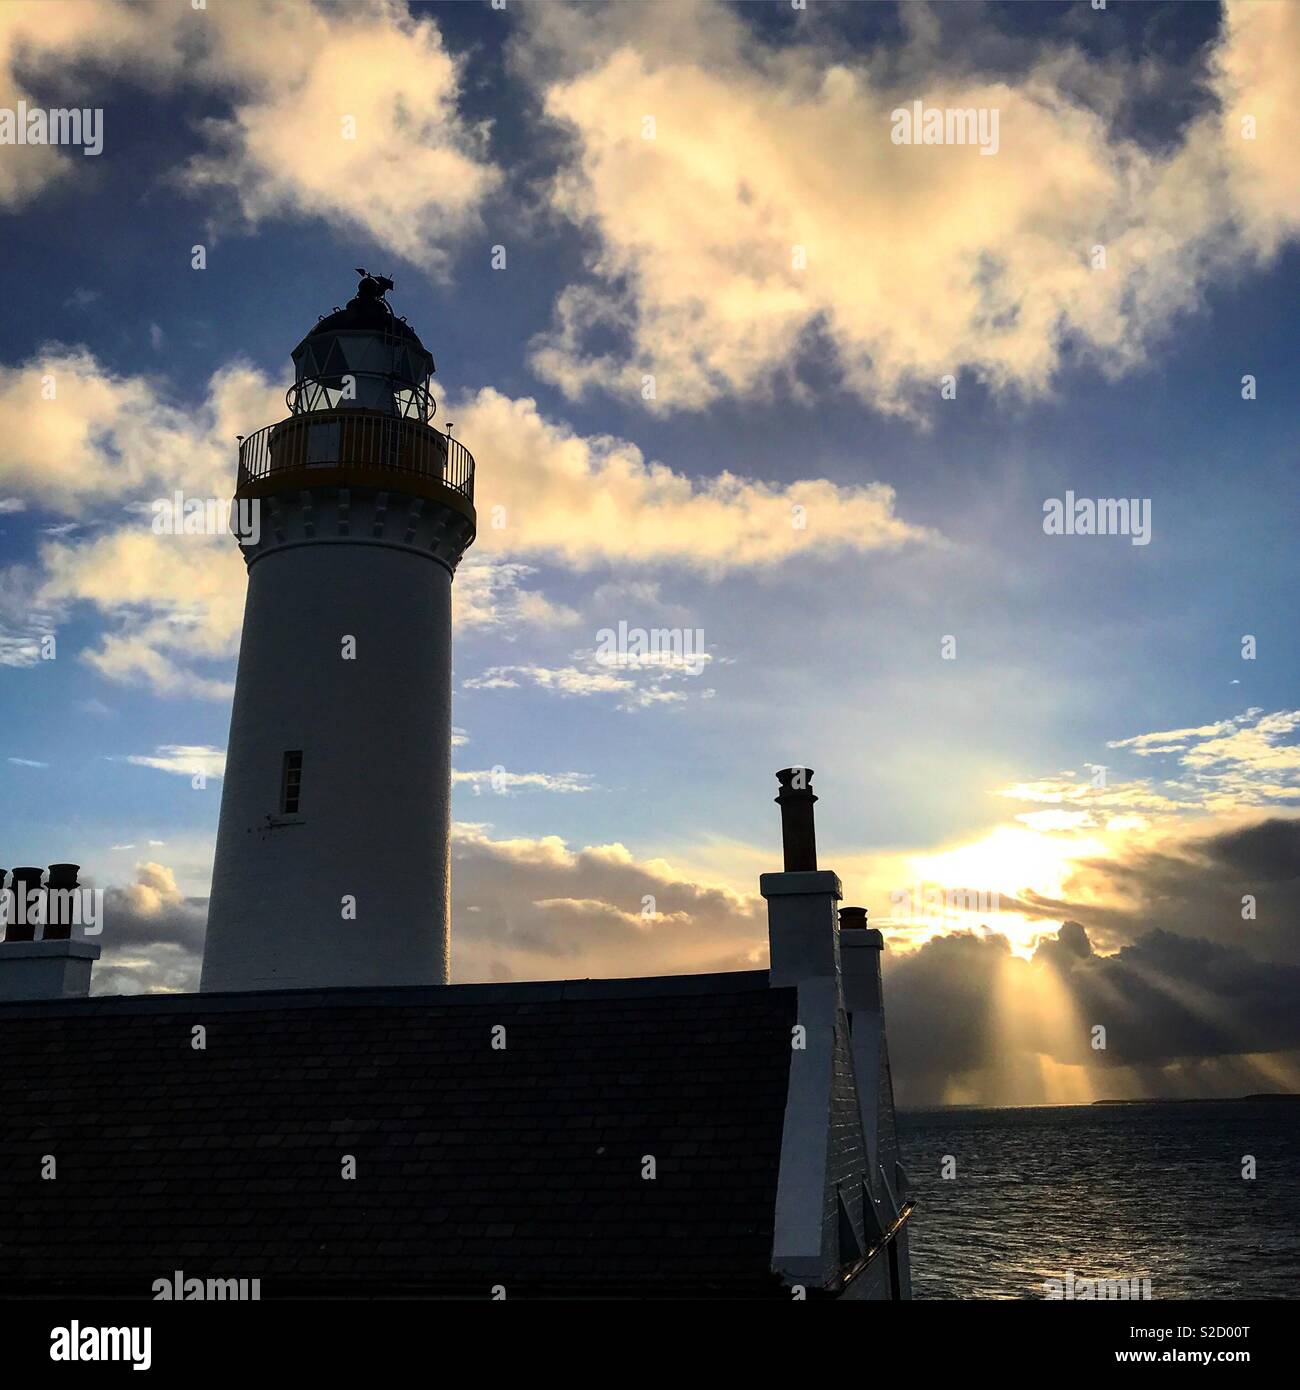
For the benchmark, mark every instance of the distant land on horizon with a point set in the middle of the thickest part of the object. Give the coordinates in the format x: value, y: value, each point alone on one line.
x: 1292, y: 1096
x: 1205, y: 1100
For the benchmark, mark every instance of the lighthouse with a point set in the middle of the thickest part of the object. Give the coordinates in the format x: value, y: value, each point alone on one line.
x: 332, y: 862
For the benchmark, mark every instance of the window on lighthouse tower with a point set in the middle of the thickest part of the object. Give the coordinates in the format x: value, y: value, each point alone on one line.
x: 290, y: 783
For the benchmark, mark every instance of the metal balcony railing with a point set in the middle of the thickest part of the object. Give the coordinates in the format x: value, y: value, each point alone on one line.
x: 356, y: 440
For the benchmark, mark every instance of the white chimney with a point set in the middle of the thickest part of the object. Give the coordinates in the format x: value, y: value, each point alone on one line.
x: 55, y: 966
x: 840, y: 1215
x: 803, y: 941
x: 860, y: 948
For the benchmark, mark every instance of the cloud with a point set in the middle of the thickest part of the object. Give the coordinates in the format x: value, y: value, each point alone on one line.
x: 183, y: 759
x: 348, y: 113
x: 588, y: 500
x: 1248, y: 760
x: 637, y: 682
x: 534, y: 909
x: 1239, y: 885
x: 489, y: 593
x: 172, y: 605
x: 769, y: 217
x: 504, y: 783
x: 153, y: 936
x: 1182, y: 1016
x: 10, y: 505
x: 44, y: 45
x: 25, y: 622
x: 79, y: 435
x: 25, y: 762
x: 1185, y: 1012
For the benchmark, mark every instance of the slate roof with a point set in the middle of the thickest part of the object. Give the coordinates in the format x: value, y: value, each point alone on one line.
x: 475, y: 1166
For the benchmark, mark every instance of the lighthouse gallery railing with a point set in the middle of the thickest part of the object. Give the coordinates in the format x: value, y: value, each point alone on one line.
x: 356, y: 440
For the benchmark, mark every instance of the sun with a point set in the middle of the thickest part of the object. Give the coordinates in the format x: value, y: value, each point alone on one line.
x: 968, y: 887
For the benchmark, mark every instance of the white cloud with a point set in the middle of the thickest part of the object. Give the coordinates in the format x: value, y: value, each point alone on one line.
x: 183, y: 759
x: 637, y: 683
x: 588, y: 500
x: 490, y: 593
x: 1249, y: 760
x: 26, y: 622
x: 172, y: 605
x: 918, y: 260
x: 105, y: 437
x: 505, y: 783
x: 348, y: 113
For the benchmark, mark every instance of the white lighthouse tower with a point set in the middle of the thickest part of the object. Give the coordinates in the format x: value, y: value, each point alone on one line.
x: 332, y: 862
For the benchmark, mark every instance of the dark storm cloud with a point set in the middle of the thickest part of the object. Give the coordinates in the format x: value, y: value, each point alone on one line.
x: 1168, y: 996
x: 1268, y: 852
x: 961, y: 1002
x: 1193, y: 887
x: 939, y: 1005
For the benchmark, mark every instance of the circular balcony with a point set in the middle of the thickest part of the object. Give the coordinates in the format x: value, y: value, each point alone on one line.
x: 357, y: 448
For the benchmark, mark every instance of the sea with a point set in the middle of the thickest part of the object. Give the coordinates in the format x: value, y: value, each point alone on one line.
x: 1117, y: 1192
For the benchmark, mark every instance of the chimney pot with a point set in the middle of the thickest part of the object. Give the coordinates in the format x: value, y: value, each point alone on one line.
x: 853, y: 918
x: 798, y: 834
x: 58, y: 922
x: 26, y: 880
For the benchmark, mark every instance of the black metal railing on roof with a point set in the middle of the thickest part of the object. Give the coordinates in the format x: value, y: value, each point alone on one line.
x: 358, y: 441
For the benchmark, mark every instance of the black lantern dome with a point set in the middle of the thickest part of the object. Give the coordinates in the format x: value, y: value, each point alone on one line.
x: 363, y: 357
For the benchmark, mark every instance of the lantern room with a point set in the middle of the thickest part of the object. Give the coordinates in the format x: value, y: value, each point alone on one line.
x: 363, y: 357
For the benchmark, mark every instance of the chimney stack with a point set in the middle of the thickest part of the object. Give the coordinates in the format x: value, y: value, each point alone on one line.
x: 803, y: 945
x: 798, y: 835
x: 860, y: 948
x: 56, y: 966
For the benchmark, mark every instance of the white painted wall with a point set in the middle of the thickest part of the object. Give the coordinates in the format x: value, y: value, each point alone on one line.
x: 375, y: 734
x: 46, y: 969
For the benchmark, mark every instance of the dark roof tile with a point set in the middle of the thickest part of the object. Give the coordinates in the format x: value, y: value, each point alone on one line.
x: 475, y: 1165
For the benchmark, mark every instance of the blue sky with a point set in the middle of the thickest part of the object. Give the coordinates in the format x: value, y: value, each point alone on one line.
x: 1120, y: 127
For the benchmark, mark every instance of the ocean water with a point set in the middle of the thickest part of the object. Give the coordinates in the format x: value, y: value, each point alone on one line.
x: 1115, y: 1192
